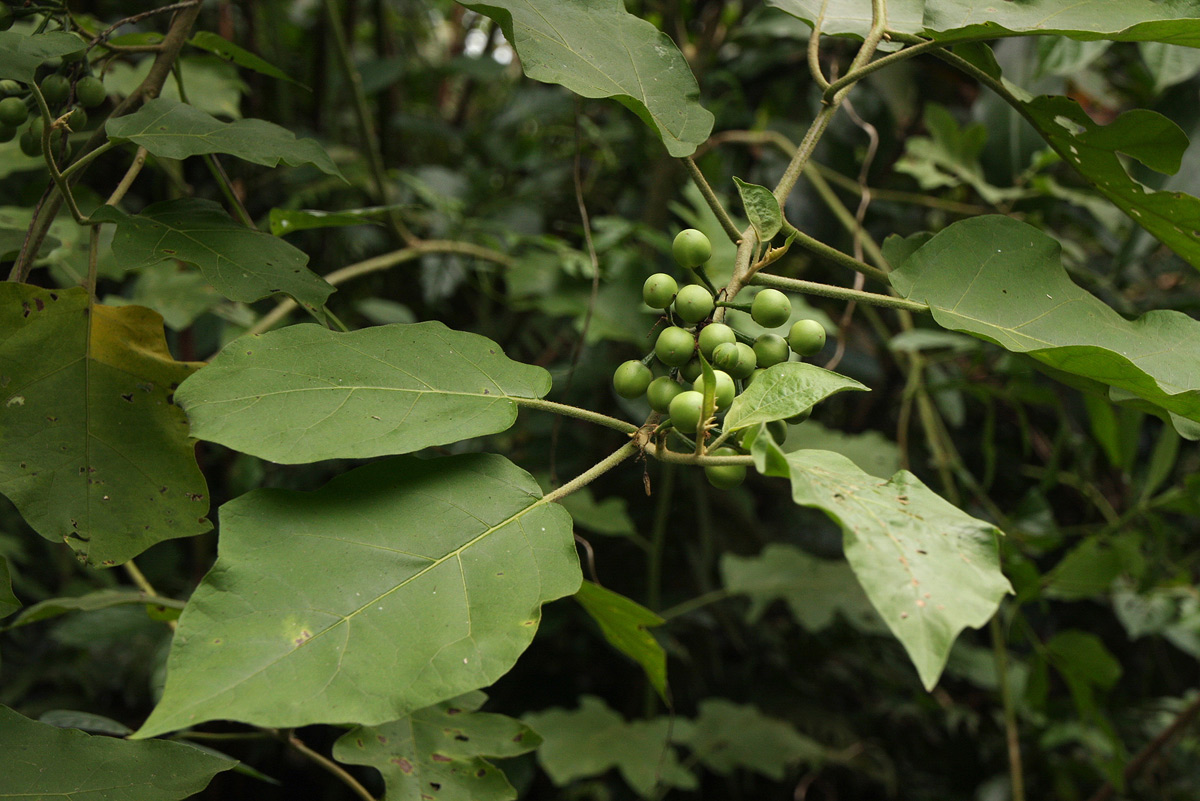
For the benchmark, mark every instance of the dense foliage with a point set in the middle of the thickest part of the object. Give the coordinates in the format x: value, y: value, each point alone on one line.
x: 600, y: 400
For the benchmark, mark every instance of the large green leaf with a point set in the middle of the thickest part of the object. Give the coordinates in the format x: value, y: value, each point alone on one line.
x: 624, y: 624
x: 92, y: 450
x: 241, y: 263
x: 929, y: 569
x: 726, y: 736
x: 46, y: 762
x: 854, y: 16
x: 439, y: 752
x: 396, y: 586
x: 814, y: 589
x: 8, y: 601
x: 597, y: 49
x: 21, y: 54
x: 593, y: 739
x: 783, y: 391
x: 1003, y: 281
x: 175, y: 130
x: 305, y: 393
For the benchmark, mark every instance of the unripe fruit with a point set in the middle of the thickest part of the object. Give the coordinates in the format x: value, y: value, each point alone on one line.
x: 771, y: 349
x: 9, y: 88
x: 685, y: 411
x: 797, y: 419
x: 77, y: 119
x: 658, y: 291
x: 725, y: 476
x: 90, y: 92
x: 631, y: 379
x: 777, y: 428
x: 661, y: 392
x: 746, y: 362
x: 723, y: 391
x: 725, y: 355
x: 30, y: 145
x: 55, y: 89
x: 674, y: 346
x: 771, y: 308
x: 7, y: 132
x: 712, y: 335
x: 691, y: 371
x: 6, y: 17
x: 755, y: 373
x: 13, y: 111
x: 691, y: 248
x: 693, y: 303
x: 807, y: 337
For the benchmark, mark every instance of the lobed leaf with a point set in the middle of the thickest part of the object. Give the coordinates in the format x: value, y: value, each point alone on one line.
x: 783, y: 391
x: 93, y: 451
x: 725, y: 736
x: 394, y: 587
x: 624, y: 624
x: 306, y: 393
x: 596, y: 48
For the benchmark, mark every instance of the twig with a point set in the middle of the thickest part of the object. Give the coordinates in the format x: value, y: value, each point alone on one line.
x: 711, y: 198
x: 328, y: 764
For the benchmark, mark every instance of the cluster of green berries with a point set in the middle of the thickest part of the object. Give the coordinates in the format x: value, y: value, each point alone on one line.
x: 735, y: 363
x: 67, y: 92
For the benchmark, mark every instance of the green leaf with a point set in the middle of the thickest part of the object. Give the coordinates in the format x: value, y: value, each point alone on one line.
x: 8, y: 601
x: 1172, y: 612
x: 440, y: 752
x: 814, y: 589
x: 1126, y: 21
x: 854, y: 16
x: 871, y: 451
x: 289, y: 221
x: 92, y: 450
x: 382, y: 390
x: 929, y: 569
x: 100, y: 599
x: 950, y: 157
x: 174, y: 130
x: 241, y: 263
x: 1003, y: 281
x: 396, y: 586
x: 608, y: 516
x: 597, y: 49
x: 1169, y: 64
x: 593, y: 739
x: 1090, y: 568
x: 726, y: 736
x: 762, y: 209
x: 220, y: 46
x: 783, y: 391
x: 21, y: 54
x: 624, y: 624
x: 43, y: 762
x: 213, y: 86
x: 85, y: 721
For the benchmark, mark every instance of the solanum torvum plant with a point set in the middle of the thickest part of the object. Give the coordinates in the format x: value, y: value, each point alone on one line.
x: 645, y: 414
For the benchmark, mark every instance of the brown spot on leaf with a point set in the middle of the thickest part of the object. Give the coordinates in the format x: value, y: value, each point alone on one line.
x: 381, y: 738
x: 481, y: 772
x: 41, y: 305
x: 402, y: 763
x: 453, y: 711
x: 127, y: 397
x: 440, y: 758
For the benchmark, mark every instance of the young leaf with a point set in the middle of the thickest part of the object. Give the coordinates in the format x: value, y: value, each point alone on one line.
x: 597, y: 49
x: 624, y: 624
x: 1003, y: 281
x: 8, y: 601
x: 929, y: 569
x: 220, y: 46
x: 92, y: 450
x: 175, y: 130
x: 785, y: 390
x: 440, y: 751
x: 762, y: 209
x: 22, y: 53
x: 241, y: 263
x: 383, y: 390
x: 393, y: 587
x: 726, y: 736
x: 43, y: 761
x: 593, y: 739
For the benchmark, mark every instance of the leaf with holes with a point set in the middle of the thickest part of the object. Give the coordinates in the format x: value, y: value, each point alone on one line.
x: 175, y: 130
x: 597, y: 49
x: 783, y: 391
x: 394, y: 587
x: 43, y: 761
x: 929, y: 569
x: 22, y: 53
x: 305, y: 393
x: 624, y: 624
x: 441, y: 751
x: 1003, y: 281
x: 240, y: 263
x: 92, y: 450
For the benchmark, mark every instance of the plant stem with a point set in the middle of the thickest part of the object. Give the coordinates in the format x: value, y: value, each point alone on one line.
x: 665, y: 455
x: 594, y: 472
x: 48, y: 153
x: 575, y: 411
x: 87, y: 159
x: 699, y: 602
x: 1012, y: 734
x: 840, y: 293
x: 819, y: 248
x: 328, y: 764
x: 139, y: 161
x: 711, y: 198
x: 658, y: 537
x: 853, y: 76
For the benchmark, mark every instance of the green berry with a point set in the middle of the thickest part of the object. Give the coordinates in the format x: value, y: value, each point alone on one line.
x: 675, y: 346
x: 631, y: 379
x: 6, y: 17
x: 797, y: 419
x: 659, y: 290
x: 55, y: 89
x: 770, y: 350
x: 7, y: 132
x: 661, y: 392
x: 691, y: 370
x: 693, y: 303
x: 712, y: 335
x: 746, y: 361
x: 777, y: 428
x: 725, y: 476
x: 724, y: 390
x: 8, y: 88
x: 754, y: 374
x: 725, y: 355
x: 31, y: 145
x: 77, y: 119
x: 807, y: 337
x: 691, y: 248
x: 90, y: 92
x: 771, y: 308
x: 13, y: 111
x: 685, y: 409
